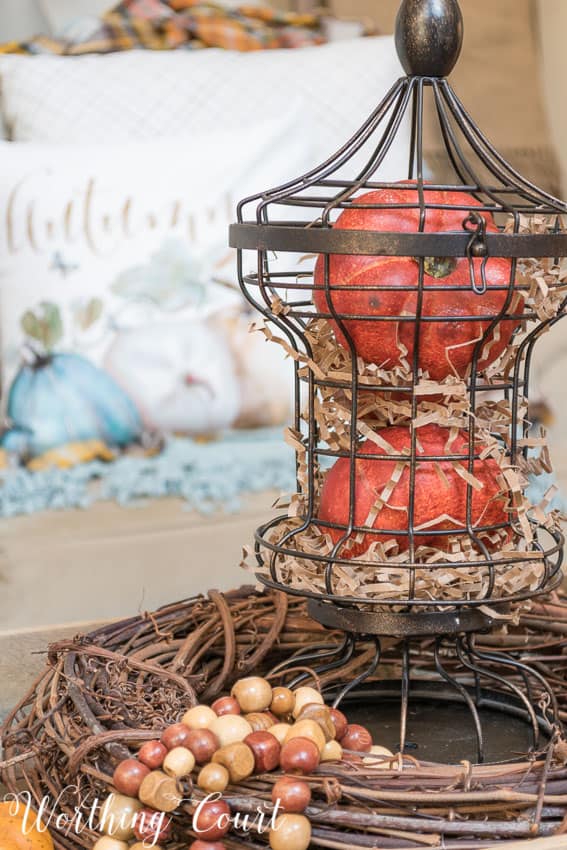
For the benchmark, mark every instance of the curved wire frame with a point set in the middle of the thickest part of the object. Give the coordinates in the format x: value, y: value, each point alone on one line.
x: 299, y: 217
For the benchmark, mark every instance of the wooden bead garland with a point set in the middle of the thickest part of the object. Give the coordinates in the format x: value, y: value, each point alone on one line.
x: 255, y: 730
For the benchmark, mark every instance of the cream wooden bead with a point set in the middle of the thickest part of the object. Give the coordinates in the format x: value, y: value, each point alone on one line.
x: 332, y: 751
x: 253, y: 694
x: 379, y: 757
x: 213, y: 778
x: 199, y: 717
x: 230, y: 729
x: 117, y: 816
x: 179, y: 762
x: 290, y: 832
x: 280, y: 730
x: 304, y: 696
x: 108, y: 843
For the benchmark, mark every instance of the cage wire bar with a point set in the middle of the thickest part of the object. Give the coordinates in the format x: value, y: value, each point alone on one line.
x: 503, y: 217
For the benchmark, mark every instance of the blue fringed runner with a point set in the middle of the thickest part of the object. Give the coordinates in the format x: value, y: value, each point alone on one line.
x: 205, y: 475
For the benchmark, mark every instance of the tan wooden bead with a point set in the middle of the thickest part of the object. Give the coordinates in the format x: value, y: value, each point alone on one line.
x: 139, y: 845
x: 213, y: 778
x: 108, y: 843
x: 260, y: 721
x: 290, y: 832
x: 307, y: 729
x: 280, y: 730
x: 321, y: 715
x: 304, y: 696
x: 231, y: 729
x: 238, y: 759
x: 283, y: 702
x: 179, y: 762
x: 332, y: 751
x: 253, y: 694
x: 199, y: 717
x: 159, y: 791
x: 117, y: 816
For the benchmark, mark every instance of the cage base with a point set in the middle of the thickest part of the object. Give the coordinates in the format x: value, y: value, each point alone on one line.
x: 413, y: 624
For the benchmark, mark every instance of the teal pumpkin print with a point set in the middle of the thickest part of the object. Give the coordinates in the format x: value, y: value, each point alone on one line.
x: 60, y: 398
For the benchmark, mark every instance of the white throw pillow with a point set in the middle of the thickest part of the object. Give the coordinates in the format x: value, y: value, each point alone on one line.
x: 110, y: 262
x: 143, y: 94
x: 63, y: 15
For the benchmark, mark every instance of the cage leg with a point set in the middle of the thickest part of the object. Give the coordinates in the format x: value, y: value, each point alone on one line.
x: 466, y: 697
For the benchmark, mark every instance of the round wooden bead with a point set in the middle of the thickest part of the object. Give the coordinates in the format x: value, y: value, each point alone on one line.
x: 292, y: 795
x: 266, y: 750
x: 117, y: 816
x: 199, y: 717
x: 230, y: 729
x: 203, y: 744
x: 179, y: 762
x: 253, y: 694
x: 322, y: 716
x: 175, y: 736
x: 290, y: 832
x: 280, y: 731
x: 226, y: 705
x: 213, y: 778
x: 152, y: 754
x: 108, y: 843
x: 260, y: 720
x: 304, y: 696
x: 340, y: 722
x: 308, y: 729
x: 128, y: 777
x: 283, y: 702
x: 299, y: 755
x: 159, y: 791
x: 211, y: 820
x: 238, y: 759
x: 151, y: 826
x: 380, y: 758
x: 332, y: 751
x: 356, y: 738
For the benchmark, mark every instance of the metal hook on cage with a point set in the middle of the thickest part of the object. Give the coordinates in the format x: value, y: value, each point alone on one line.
x: 477, y: 249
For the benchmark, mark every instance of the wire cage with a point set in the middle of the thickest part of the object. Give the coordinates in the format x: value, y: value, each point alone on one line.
x: 411, y: 309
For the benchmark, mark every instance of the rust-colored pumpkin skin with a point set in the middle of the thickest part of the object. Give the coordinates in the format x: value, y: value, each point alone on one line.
x: 433, y: 498
x: 12, y: 836
x: 445, y: 348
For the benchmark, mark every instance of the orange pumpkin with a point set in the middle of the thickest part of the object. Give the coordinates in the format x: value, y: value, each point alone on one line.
x: 16, y: 834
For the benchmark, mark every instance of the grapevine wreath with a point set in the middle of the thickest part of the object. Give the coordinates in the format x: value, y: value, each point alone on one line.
x: 107, y: 701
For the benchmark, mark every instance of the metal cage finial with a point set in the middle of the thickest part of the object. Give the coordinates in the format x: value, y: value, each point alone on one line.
x: 429, y: 37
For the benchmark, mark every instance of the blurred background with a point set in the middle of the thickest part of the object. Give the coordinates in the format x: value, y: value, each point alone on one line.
x: 128, y: 375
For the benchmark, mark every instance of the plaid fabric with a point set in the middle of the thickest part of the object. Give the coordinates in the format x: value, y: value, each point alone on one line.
x: 170, y: 24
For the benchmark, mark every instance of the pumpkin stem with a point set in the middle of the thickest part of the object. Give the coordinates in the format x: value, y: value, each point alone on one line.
x: 439, y: 267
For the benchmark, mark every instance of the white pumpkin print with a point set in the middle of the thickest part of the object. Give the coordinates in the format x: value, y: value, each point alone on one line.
x: 181, y: 376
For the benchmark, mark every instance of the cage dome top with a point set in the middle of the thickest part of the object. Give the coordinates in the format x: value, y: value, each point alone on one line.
x: 299, y: 215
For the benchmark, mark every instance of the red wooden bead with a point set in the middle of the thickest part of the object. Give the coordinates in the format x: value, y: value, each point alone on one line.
x: 225, y: 705
x: 206, y: 845
x: 175, y: 736
x: 211, y: 820
x: 340, y: 722
x: 292, y: 795
x: 128, y: 777
x: 357, y: 738
x: 299, y: 755
x: 152, y: 754
x: 152, y: 826
x: 203, y: 744
x: 266, y: 749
